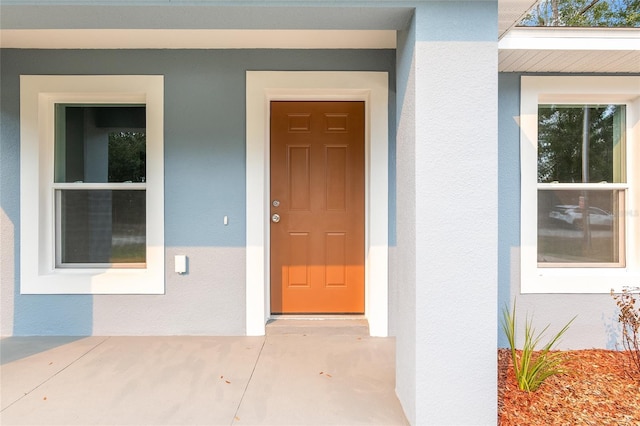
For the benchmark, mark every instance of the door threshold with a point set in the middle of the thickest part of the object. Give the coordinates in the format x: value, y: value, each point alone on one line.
x: 318, y: 325
x: 314, y: 317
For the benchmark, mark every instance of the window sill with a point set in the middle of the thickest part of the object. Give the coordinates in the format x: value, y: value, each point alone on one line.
x: 579, y: 280
x: 95, y: 281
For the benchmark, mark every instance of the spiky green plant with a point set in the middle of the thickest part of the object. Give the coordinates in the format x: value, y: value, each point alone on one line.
x: 532, y: 366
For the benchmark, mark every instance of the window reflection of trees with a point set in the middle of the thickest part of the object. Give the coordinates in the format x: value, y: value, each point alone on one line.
x: 579, y: 145
x: 127, y: 156
x: 560, y: 143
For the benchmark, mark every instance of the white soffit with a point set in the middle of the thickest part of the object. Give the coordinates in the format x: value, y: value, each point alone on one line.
x: 597, y: 50
x: 196, y: 39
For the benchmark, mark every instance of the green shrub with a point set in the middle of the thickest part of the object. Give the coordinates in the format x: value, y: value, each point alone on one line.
x: 532, y: 366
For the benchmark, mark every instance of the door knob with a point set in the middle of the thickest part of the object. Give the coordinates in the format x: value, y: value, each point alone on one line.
x: 275, y: 218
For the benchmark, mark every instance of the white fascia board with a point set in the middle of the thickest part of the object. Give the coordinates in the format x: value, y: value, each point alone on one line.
x: 571, y: 39
x: 196, y: 39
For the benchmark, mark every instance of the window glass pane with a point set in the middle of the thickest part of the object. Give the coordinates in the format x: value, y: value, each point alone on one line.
x: 100, y: 143
x: 101, y: 226
x: 570, y: 152
x: 567, y: 235
x: 127, y: 157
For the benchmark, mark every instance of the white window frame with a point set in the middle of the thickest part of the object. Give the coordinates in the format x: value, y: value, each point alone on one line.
x: 38, y: 272
x: 536, y: 90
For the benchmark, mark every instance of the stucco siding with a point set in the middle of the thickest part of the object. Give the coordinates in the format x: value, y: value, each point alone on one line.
x: 204, y: 181
x: 402, y: 255
x: 456, y: 203
x: 445, y: 257
x: 595, y: 325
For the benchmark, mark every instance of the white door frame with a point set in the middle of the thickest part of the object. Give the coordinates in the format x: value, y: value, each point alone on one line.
x: 266, y: 86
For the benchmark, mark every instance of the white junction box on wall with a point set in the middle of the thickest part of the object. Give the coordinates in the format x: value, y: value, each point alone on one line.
x: 181, y: 264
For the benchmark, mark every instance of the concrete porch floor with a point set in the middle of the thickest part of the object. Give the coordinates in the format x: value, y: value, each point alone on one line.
x: 293, y: 376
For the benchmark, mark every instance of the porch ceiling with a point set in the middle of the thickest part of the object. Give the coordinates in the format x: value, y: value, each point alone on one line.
x: 205, y: 24
x: 19, y: 16
x: 210, y: 24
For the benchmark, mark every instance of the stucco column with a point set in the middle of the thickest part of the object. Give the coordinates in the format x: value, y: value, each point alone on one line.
x: 447, y: 234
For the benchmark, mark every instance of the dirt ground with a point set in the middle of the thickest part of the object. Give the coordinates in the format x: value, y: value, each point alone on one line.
x: 600, y: 388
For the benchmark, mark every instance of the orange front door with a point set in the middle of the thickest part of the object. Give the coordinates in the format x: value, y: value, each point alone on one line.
x: 317, y: 207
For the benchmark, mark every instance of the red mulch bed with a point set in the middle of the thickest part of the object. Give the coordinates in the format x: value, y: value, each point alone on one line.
x: 600, y: 388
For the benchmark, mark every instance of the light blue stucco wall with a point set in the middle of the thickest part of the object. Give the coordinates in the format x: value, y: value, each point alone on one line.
x: 595, y: 325
x: 402, y: 252
x: 204, y: 181
x: 508, y: 185
x: 444, y: 265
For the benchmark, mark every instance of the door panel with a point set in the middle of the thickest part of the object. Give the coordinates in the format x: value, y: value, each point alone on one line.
x: 317, y: 178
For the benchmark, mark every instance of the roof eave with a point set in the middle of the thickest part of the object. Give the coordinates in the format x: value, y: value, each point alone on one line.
x: 575, y: 50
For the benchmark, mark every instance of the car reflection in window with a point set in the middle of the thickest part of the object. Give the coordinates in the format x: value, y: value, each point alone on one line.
x: 571, y: 215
